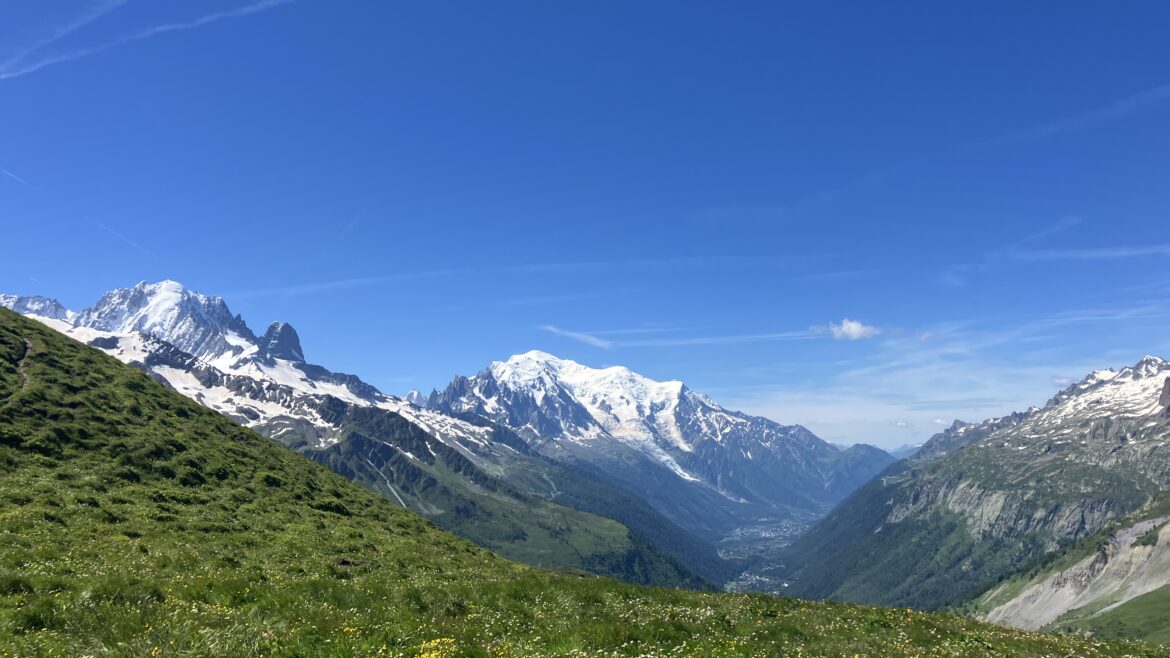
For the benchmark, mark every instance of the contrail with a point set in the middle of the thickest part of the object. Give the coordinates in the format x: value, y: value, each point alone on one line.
x: 1104, y: 114
x: 14, y: 177
x: 123, y: 238
x: 578, y: 336
x: 6, y: 73
x: 61, y: 32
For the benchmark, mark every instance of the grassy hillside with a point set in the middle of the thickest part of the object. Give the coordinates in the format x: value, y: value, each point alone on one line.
x: 592, y: 491
x: 449, y: 489
x: 1142, y: 617
x: 134, y: 522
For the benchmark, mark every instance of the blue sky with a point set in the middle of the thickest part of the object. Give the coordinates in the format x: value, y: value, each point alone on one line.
x: 700, y: 191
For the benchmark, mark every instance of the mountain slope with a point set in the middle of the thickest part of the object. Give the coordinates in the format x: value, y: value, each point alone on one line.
x: 410, y: 467
x: 1106, y: 583
x: 723, y: 475
x: 449, y: 470
x: 136, y: 522
x: 979, y: 502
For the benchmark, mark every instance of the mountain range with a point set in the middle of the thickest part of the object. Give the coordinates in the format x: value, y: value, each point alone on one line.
x: 1047, y: 518
x: 744, y: 482
x: 136, y: 522
x: 1050, y: 516
x: 542, y: 459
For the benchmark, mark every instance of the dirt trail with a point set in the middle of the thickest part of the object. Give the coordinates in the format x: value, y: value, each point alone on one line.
x: 28, y: 348
x: 7, y: 400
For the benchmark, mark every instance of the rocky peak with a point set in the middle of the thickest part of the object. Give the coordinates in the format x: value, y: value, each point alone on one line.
x: 1148, y: 366
x: 282, y: 342
x: 962, y: 434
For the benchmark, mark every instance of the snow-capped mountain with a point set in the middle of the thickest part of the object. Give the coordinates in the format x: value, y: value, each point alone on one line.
x: 199, y: 325
x: 1137, y: 390
x: 906, y: 450
x: 195, y: 344
x: 477, y: 480
x: 663, y: 438
x: 37, y: 305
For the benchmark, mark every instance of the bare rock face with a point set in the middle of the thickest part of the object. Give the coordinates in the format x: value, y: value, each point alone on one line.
x: 1165, y: 399
x: 1123, y: 568
x: 281, y: 342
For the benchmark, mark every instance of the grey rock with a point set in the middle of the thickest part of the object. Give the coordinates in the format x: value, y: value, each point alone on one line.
x: 282, y: 342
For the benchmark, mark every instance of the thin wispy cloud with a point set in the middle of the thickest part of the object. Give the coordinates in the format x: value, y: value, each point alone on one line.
x: 908, y: 389
x: 720, y: 340
x: 637, y: 263
x: 819, y: 201
x: 838, y: 275
x: 638, y: 331
x: 1064, y: 224
x: 14, y: 177
x: 29, y: 63
x: 547, y: 268
x: 59, y: 32
x: 1162, y: 285
x: 1157, y: 309
x: 1108, y: 113
x: 973, y: 340
x: 349, y: 226
x: 123, y: 238
x: 1116, y: 110
x: 598, y: 341
x: 578, y: 336
x: 1025, y: 251
x: 332, y: 285
x: 1104, y: 253
x: 544, y: 300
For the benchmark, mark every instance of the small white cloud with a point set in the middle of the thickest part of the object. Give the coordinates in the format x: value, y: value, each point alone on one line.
x: 852, y: 330
x: 940, y: 421
x: 1063, y: 382
x: 902, y: 423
